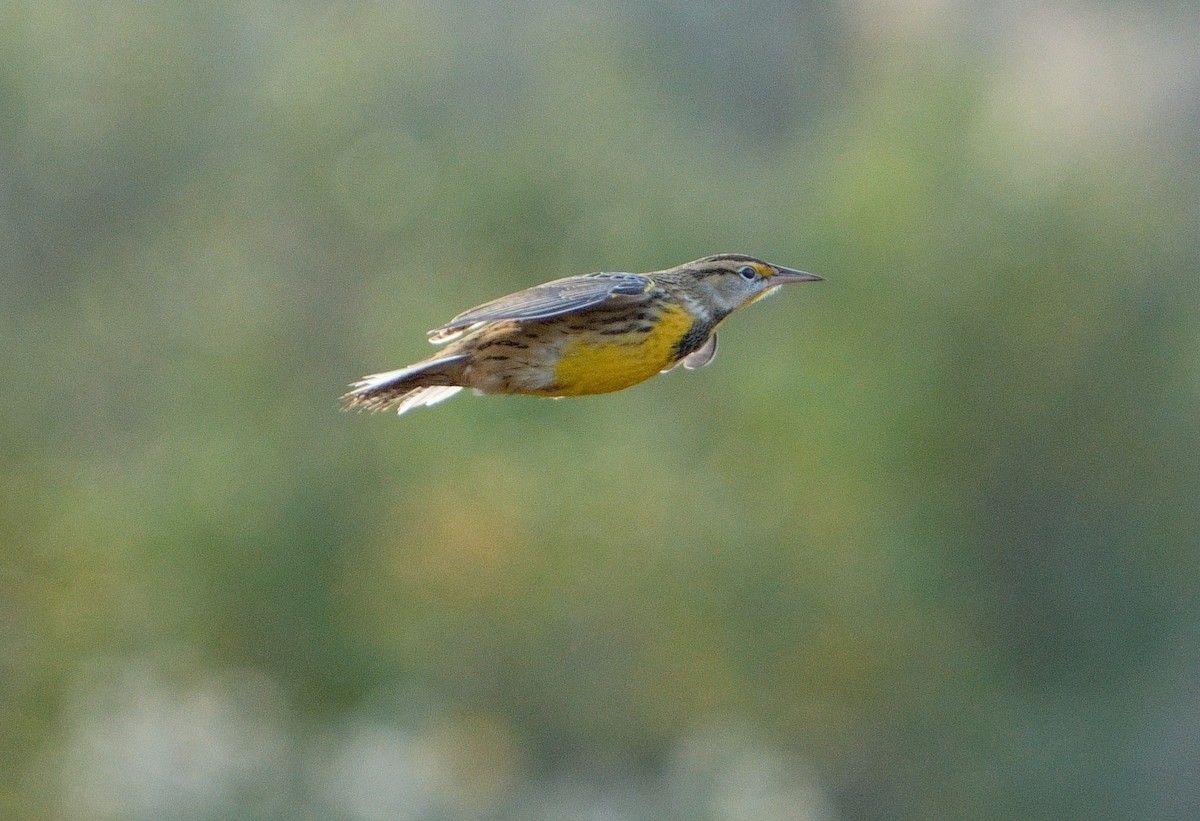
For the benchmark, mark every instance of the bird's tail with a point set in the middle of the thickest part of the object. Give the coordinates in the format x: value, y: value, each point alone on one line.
x: 425, y: 383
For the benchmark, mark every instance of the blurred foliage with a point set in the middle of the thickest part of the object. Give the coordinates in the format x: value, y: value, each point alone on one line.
x: 922, y: 544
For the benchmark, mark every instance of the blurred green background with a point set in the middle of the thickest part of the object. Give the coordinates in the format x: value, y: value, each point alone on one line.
x: 921, y: 544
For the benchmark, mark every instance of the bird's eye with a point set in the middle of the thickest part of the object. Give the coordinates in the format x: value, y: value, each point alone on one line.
x: 748, y: 273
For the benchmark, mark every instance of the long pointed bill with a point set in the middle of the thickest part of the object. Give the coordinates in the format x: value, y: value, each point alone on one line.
x: 783, y: 275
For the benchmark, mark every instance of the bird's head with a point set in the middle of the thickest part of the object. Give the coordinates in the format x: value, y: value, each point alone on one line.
x: 728, y: 282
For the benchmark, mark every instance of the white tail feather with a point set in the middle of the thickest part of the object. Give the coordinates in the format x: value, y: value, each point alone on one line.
x: 381, y: 390
x: 425, y: 397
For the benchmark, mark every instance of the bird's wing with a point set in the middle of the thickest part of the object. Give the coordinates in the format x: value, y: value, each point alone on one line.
x: 562, y: 296
x: 703, y: 355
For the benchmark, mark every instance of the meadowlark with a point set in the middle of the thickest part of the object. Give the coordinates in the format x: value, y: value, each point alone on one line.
x: 580, y: 335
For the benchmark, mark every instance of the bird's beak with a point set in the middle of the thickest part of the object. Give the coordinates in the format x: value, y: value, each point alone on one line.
x: 783, y: 275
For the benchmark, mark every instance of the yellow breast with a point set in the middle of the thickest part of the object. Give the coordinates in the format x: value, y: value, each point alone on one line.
x: 597, y: 363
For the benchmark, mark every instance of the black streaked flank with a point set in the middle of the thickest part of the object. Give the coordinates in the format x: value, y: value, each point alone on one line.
x: 511, y: 343
x: 620, y: 330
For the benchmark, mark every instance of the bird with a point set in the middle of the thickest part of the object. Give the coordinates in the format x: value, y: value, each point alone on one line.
x: 580, y: 335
